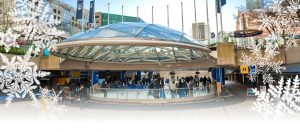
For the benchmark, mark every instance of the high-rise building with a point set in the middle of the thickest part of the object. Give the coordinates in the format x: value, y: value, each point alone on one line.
x: 200, y: 31
x: 101, y: 19
x: 67, y: 15
x: 98, y: 18
x: 5, y: 20
x: 255, y: 4
x: 61, y: 11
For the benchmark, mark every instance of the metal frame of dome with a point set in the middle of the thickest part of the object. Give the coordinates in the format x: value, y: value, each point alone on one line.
x: 133, y: 43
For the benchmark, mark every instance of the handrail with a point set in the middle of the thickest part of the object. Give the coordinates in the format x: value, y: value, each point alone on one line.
x: 145, y: 94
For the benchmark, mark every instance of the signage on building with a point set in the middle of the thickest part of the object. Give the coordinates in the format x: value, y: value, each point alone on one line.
x: 244, y: 69
x: 219, y: 88
x: 252, y: 69
x: 212, y: 35
x: 250, y: 92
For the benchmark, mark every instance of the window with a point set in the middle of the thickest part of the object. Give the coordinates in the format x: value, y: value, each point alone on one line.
x: 58, y: 12
x: 54, y: 17
x: 96, y: 16
x: 1, y: 7
x: 58, y: 18
x: 54, y: 10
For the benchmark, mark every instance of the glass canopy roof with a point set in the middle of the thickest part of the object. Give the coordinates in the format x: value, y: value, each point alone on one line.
x: 131, y: 54
x: 134, y: 30
x: 100, y: 45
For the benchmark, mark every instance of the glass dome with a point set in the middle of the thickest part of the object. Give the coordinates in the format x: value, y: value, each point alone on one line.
x: 135, y: 30
x: 132, y: 43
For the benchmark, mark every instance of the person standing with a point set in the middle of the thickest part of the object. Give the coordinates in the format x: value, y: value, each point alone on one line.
x: 104, y: 87
x: 208, y: 84
x: 180, y: 90
x: 172, y: 87
x: 196, y: 81
x: 200, y: 82
x: 82, y: 95
x: 157, y: 88
x: 204, y: 79
x: 191, y: 87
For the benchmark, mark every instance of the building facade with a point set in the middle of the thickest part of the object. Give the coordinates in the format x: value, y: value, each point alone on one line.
x: 5, y: 20
x: 200, y: 31
x: 101, y: 19
x: 255, y: 4
x: 61, y: 11
x: 66, y: 14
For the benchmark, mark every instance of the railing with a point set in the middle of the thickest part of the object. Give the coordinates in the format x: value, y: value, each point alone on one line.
x: 148, y: 94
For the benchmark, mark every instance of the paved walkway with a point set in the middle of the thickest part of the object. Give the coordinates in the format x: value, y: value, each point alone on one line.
x: 236, y: 89
x: 228, y: 115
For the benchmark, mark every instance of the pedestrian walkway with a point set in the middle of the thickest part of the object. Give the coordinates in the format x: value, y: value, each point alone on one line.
x: 236, y: 89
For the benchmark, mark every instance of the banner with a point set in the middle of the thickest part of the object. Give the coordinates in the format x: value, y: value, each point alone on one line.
x: 218, y: 2
x: 79, y: 11
x: 92, y: 11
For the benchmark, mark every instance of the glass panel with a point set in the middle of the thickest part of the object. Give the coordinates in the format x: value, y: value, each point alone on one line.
x: 138, y: 54
x: 73, y: 51
x: 125, y: 28
x: 136, y: 24
x: 165, y: 33
x: 131, y: 93
x: 74, y: 37
x: 84, y: 51
x: 152, y: 34
x: 83, y: 35
x: 106, y: 33
x: 188, y: 39
x: 94, y: 50
x: 64, y: 50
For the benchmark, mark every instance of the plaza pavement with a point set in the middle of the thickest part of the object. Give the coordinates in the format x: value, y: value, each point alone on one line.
x: 208, y: 114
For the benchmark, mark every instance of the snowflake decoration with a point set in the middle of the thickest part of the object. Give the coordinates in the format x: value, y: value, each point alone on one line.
x: 282, y: 22
x: 278, y: 100
x: 34, y: 20
x: 50, y: 101
x: 9, y: 39
x: 19, y: 77
x: 267, y: 78
x: 264, y: 62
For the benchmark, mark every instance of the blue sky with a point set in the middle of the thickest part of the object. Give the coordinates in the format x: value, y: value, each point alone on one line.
x: 160, y: 11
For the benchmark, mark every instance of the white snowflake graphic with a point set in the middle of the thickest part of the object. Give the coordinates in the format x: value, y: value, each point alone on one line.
x: 282, y: 23
x: 50, y: 101
x: 278, y: 100
x: 19, y: 77
x: 34, y: 21
x: 9, y: 39
x: 263, y: 60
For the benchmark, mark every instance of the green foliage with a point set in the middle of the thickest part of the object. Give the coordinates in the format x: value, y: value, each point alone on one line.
x: 14, y: 50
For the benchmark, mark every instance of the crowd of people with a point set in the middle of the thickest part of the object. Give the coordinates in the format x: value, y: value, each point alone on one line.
x: 157, y: 85
x: 184, y: 86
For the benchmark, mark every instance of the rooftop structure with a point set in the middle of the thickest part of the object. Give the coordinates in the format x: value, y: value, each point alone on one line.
x: 138, y: 44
